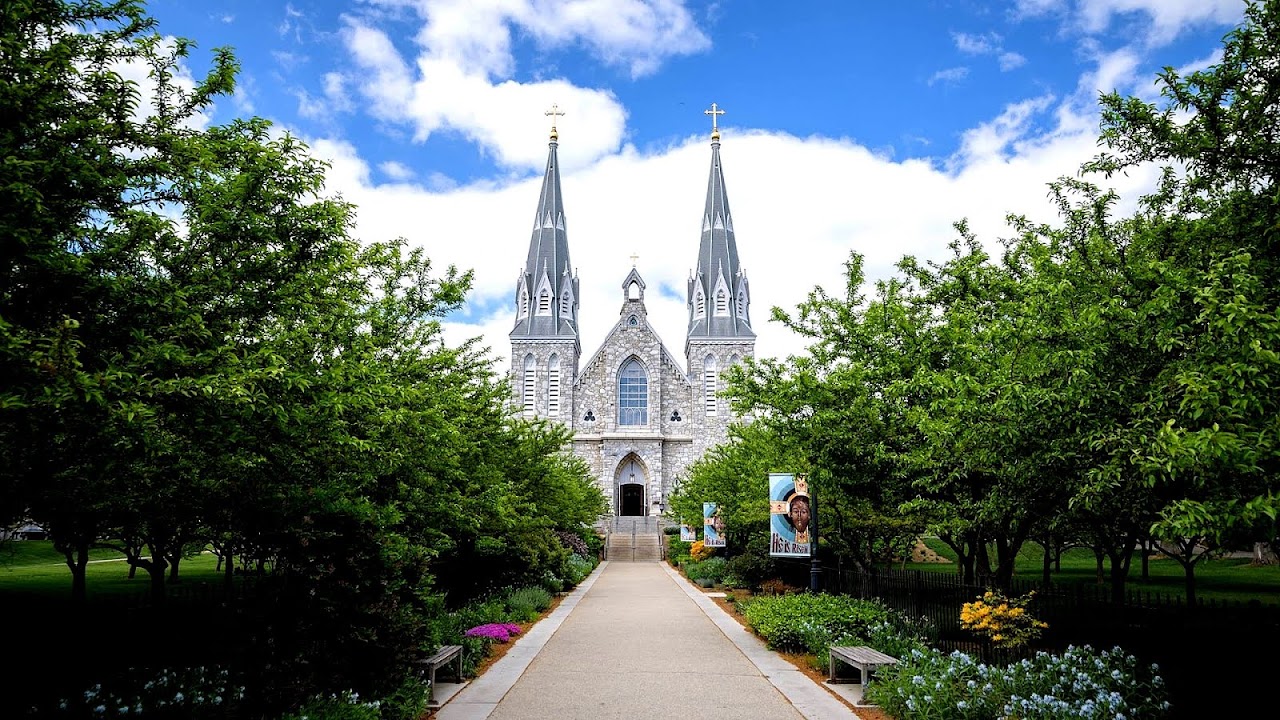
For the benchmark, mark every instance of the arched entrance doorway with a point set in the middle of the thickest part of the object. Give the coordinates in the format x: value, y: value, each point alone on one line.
x: 631, y: 483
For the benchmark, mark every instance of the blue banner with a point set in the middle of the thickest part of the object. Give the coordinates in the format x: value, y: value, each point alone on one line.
x: 790, y: 512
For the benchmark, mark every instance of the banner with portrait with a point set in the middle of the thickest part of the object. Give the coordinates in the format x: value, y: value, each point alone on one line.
x: 712, y: 525
x: 790, y: 513
x: 687, y: 534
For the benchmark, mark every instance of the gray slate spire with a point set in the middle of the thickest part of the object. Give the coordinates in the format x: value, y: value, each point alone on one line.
x: 547, y: 290
x: 719, y: 297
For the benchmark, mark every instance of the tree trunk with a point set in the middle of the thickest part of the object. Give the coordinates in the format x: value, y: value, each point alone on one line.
x: 227, y: 571
x: 1146, y: 559
x: 1098, y: 555
x: 77, y: 560
x: 1045, y: 570
x: 1120, y: 558
x: 1190, y: 568
x: 173, y: 568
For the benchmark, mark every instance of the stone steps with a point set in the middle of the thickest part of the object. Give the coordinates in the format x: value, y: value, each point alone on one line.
x: 635, y: 539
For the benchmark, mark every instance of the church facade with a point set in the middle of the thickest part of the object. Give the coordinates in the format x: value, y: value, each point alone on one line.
x: 639, y: 415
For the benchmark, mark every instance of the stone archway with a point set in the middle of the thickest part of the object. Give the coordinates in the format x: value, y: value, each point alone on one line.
x: 631, y: 483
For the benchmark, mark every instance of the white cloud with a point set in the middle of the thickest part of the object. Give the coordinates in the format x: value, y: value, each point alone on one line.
x: 1164, y: 20
x: 291, y: 24
x: 397, y: 170
x: 988, y: 44
x: 1011, y: 61
x: 791, y: 236
x: 976, y: 44
x: 948, y: 75
x: 461, y: 78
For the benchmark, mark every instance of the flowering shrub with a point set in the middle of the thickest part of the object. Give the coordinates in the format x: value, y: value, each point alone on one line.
x: 338, y: 706
x: 192, y: 692
x: 579, y: 568
x: 700, y: 552
x: 1079, y: 683
x: 499, y: 632
x: 1005, y: 621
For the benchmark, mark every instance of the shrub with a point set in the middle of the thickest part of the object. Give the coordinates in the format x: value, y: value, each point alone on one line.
x: 527, y: 603
x: 1080, y: 683
x: 408, y: 702
x: 700, y: 552
x: 579, y: 568
x: 791, y: 622
x: 551, y: 583
x: 775, y: 586
x: 750, y: 569
x: 712, y: 569
x: 1004, y: 620
x: 677, y: 550
x: 671, y: 530
x: 340, y: 706
x: 574, y: 542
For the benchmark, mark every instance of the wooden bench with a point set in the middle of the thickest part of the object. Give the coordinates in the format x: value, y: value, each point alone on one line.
x: 445, y: 655
x: 862, y: 657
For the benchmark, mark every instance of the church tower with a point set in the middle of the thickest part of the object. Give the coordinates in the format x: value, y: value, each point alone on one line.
x: 545, y: 342
x: 719, y: 299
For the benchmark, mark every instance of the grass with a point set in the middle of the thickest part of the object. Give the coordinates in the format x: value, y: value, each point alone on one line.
x: 1221, y: 579
x: 34, y: 568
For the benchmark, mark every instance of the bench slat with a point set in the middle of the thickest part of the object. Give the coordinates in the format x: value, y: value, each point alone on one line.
x: 444, y: 655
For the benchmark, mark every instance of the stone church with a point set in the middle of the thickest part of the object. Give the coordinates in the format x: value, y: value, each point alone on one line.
x: 639, y: 415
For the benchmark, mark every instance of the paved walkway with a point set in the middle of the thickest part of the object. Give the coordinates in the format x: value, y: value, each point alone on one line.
x: 636, y: 640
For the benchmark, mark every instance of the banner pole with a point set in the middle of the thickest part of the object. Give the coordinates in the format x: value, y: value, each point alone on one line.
x: 815, y: 565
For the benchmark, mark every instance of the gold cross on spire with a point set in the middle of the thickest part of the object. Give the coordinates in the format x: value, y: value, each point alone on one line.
x: 553, y: 112
x: 634, y: 258
x: 715, y: 128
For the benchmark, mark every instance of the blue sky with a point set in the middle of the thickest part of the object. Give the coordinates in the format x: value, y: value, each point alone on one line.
x: 867, y: 126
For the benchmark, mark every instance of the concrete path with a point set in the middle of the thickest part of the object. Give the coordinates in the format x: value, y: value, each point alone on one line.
x: 636, y: 640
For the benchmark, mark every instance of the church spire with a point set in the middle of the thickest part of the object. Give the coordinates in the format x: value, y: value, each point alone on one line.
x: 547, y: 289
x: 719, y: 296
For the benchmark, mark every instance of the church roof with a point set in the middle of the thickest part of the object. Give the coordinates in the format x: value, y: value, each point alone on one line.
x: 548, y: 268
x: 718, y: 270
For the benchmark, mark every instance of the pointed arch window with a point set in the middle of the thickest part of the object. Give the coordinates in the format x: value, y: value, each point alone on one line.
x: 710, y: 380
x: 722, y: 303
x: 530, y: 384
x: 633, y: 291
x: 524, y: 303
x: 544, y: 302
x: 699, y: 304
x: 553, y: 386
x: 742, y: 305
x: 566, y: 307
x: 633, y: 394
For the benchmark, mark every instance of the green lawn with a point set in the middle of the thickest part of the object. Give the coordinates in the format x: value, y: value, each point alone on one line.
x: 33, y: 567
x: 1225, y: 579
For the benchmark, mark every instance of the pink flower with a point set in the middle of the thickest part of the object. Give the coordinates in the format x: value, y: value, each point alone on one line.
x: 500, y: 632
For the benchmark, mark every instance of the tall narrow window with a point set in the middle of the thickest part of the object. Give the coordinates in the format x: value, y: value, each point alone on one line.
x: 742, y: 305
x: 699, y: 304
x: 565, y: 307
x: 553, y: 386
x: 524, y: 303
x: 529, y: 385
x: 633, y: 394
x: 722, y: 303
x: 709, y: 380
x: 544, y: 302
